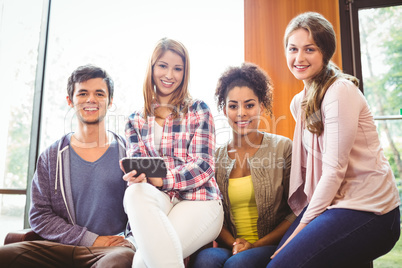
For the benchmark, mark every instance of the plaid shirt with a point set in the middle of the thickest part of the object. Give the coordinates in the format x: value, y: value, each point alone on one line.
x: 187, y: 147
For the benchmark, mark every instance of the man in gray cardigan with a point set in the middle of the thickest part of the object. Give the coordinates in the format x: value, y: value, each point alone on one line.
x: 78, y: 190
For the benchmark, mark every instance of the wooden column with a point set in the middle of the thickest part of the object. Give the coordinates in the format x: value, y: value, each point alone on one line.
x: 265, y: 23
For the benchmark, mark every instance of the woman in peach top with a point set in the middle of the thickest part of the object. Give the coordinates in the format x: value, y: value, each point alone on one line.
x: 341, y: 185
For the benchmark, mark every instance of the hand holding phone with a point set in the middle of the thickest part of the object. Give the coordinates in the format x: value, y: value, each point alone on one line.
x: 150, y: 166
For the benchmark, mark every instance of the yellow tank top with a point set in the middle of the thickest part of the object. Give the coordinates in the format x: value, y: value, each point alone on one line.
x: 244, y: 208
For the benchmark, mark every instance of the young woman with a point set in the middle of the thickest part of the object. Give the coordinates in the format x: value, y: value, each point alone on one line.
x: 174, y: 216
x: 341, y: 185
x: 252, y: 171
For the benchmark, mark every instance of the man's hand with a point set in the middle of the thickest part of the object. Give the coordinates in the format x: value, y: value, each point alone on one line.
x: 125, y: 243
x: 109, y: 241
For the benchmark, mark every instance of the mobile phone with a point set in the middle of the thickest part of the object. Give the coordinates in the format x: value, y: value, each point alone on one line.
x: 152, y: 167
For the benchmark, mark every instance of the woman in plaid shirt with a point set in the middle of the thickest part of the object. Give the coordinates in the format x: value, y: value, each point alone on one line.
x: 174, y: 216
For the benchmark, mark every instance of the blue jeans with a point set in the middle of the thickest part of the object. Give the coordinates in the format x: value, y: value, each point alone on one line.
x: 222, y: 257
x: 339, y: 238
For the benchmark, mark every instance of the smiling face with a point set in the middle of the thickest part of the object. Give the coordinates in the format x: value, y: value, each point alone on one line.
x: 304, y: 58
x: 168, y: 73
x: 90, y: 100
x: 243, y: 110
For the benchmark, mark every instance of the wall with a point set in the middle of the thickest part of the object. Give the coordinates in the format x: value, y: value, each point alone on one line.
x: 265, y: 23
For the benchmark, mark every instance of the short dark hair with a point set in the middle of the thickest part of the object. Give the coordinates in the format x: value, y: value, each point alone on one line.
x: 247, y: 75
x: 86, y: 72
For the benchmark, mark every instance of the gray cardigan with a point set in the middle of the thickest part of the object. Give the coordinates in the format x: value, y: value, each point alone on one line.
x: 270, y: 171
x: 52, y: 212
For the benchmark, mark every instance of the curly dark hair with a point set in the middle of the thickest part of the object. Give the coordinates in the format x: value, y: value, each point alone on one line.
x: 247, y: 75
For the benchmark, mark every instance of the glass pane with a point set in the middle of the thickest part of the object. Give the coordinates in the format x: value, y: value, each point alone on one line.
x: 393, y: 259
x: 381, y: 57
x: 381, y: 49
x: 120, y: 35
x: 11, y: 214
x: 19, y: 38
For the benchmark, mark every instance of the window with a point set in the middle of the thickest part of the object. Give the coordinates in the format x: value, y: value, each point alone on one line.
x: 19, y: 40
x: 121, y: 37
x: 371, y: 50
x: 116, y: 35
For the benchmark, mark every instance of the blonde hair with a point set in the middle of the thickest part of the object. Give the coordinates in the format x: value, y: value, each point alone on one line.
x: 181, y: 95
x: 323, y: 34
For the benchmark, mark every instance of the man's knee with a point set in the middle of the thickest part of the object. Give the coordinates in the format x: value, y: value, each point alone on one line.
x: 116, y: 257
x: 9, y: 253
x: 28, y: 254
x: 125, y: 257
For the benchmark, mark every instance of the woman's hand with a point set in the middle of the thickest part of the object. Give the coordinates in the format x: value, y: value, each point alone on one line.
x: 158, y: 182
x: 129, y: 177
x: 241, y: 245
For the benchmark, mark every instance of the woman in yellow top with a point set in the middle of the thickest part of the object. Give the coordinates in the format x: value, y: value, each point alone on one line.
x: 252, y: 171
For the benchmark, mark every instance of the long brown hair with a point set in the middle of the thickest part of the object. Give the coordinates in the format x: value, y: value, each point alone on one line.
x: 180, y: 96
x: 324, y: 37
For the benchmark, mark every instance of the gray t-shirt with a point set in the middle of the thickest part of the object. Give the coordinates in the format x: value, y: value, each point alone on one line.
x: 98, y: 189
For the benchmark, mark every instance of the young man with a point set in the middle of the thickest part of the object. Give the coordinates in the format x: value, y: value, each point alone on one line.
x: 77, y: 189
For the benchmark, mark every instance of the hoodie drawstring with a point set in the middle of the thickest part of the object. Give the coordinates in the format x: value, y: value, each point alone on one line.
x: 59, y: 171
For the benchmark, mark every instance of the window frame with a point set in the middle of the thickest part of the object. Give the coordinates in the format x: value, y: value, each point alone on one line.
x: 37, y: 105
x: 350, y: 38
x: 36, y: 112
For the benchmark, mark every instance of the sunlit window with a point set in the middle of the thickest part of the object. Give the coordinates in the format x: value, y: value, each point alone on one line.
x: 381, y: 66
x: 120, y: 38
x: 381, y: 54
x: 19, y: 39
x: 116, y: 35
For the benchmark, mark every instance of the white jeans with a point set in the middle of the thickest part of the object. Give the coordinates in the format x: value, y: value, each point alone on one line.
x: 167, y: 231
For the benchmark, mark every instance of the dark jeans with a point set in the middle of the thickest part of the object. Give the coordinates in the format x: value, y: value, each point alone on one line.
x: 222, y: 257
x: 50, y: 254
x: 339, y: 238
